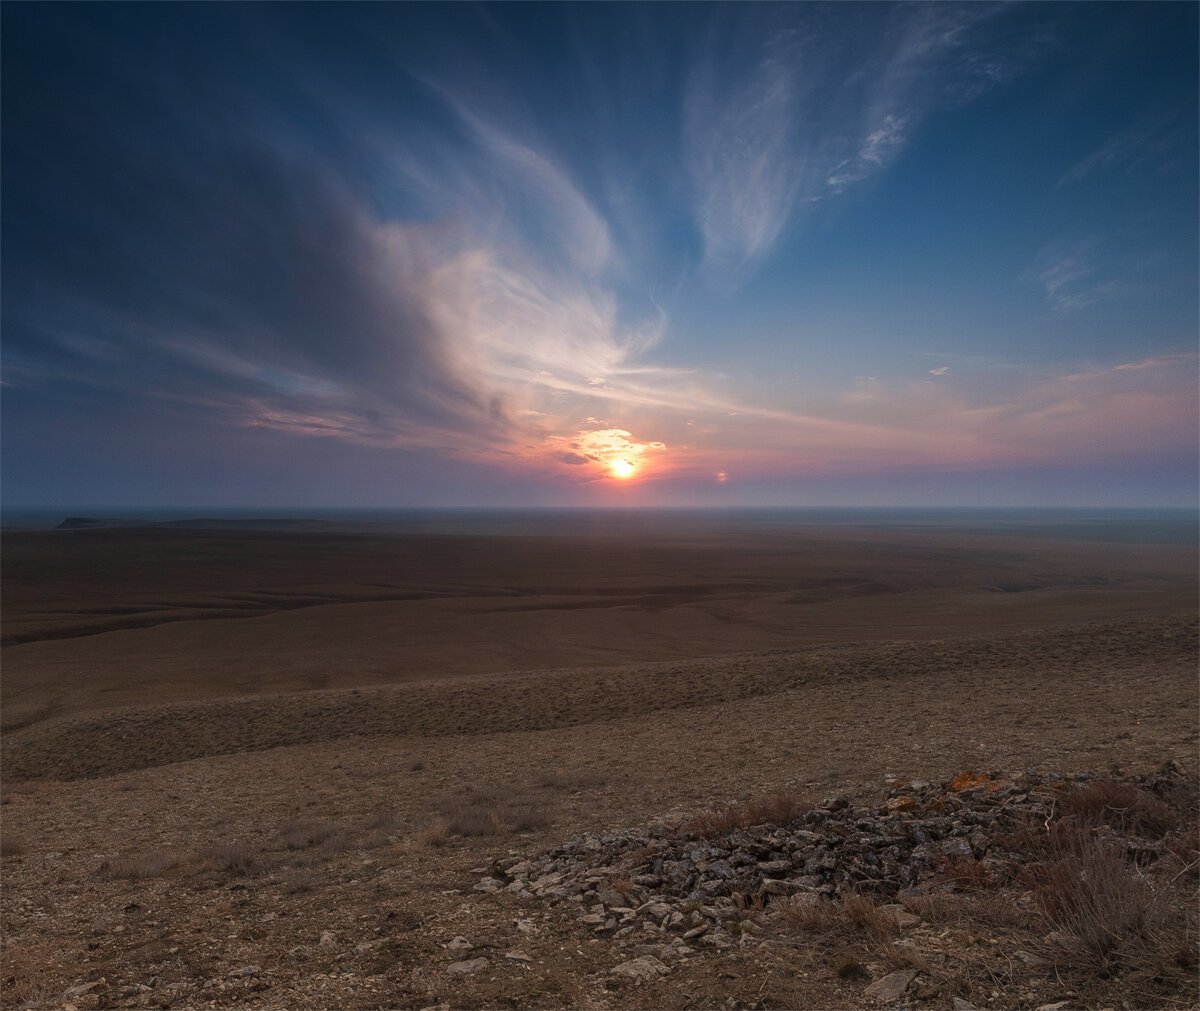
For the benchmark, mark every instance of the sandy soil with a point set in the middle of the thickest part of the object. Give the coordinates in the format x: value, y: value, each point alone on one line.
x: 597, y: 684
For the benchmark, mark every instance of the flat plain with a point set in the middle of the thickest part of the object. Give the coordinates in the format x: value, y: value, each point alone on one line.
x: 268, y: 764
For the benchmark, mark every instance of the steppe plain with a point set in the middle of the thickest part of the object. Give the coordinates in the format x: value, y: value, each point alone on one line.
x: 267, y: 764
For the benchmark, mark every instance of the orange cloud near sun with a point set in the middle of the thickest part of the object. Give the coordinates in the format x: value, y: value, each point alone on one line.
x: 609, y: 452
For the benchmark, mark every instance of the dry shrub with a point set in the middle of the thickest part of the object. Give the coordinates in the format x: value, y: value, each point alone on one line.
x: 1040, y: 840
x: 999, y: 909
x: 376, y: 839
x: 329, y: 847
x: 936, y: 907
x: 1183, y: 846
x: 1124, y: 807
x: 623, y: 885
x: 11, y: 846
x: 855, y: 917
x: 904, y: 955
x: 302, y: 835
x: 562, y: 780
x: 473, y: 821
x: 234, y: 858
x: 750, y: 905
x: 31, y: 973
x: 642, y: 855
x: 1100, y: 909
x: 298, y: 883
x: 866, y: 917
x: 779, y: 809
x: 488, y: 812
x: 524, y: 818
x: 966, y: 873
x: 137, y: 865
x: 806, y: 915
x: 996, y: 909
x: 435, y: 835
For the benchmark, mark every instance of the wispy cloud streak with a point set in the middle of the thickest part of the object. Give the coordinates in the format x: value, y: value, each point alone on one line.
x: 774, y: 121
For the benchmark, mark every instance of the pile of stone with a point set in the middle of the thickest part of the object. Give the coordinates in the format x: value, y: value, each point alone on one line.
x: 672, y: 879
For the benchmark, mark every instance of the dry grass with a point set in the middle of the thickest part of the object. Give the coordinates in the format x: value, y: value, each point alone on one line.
x: 133, y: 866
x: 525, y: 818
x: 465, y: 820
x: 31, y: 974
x: 475, y: 812
x: 435, y: 835
x: 779, y: 809
x: 34, y: 993
x: 623, y: 885
x: 1183, y: 847
x: 330, y: 846
x: 865, y: 916
x: 234, y: 858
x: 641, y: 856
x: 966, y: 873
x: 856, y: 917
x: 901, y: 955
x: 299, y: 882
x: 936, y: 907
x: 1124, y: 807
x: 1034, y: 839
x: 996, y: 909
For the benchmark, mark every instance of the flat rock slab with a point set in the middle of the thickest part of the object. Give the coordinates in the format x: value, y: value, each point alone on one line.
x: 641, y: 970
x: 891, y: 987
x: 467, y: 968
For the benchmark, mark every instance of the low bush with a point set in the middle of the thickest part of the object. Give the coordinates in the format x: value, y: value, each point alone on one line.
x: 137, y: 865
x: 1121, y: 805
x: 234, y: 858
x: 779, y: 809
x: 1099, y: 908
x: 856, y: 916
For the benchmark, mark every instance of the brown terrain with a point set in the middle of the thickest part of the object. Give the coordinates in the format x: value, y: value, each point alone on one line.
x: 302, y: 766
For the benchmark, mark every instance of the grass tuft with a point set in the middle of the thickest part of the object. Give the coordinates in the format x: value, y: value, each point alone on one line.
x: 133, y: 866
x: 234, y: 858
x: 779, y: 809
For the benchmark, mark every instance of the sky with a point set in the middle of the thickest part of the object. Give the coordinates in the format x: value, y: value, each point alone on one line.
x: 267, y: 255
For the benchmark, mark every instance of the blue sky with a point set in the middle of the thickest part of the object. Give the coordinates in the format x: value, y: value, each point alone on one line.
x: 593, y: 254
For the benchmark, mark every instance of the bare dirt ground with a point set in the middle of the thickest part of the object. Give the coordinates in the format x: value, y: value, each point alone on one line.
x: 187, y: 822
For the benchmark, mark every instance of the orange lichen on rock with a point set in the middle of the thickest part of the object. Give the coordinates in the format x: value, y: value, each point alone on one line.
x: 971, y: 780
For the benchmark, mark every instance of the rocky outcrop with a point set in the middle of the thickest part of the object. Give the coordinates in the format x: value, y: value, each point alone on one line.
x: 665, y: 879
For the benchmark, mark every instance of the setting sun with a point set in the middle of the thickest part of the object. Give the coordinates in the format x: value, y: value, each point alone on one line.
x: 621, y: 468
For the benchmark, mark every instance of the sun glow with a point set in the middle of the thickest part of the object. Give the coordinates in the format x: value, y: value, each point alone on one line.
x: 621, y: 468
